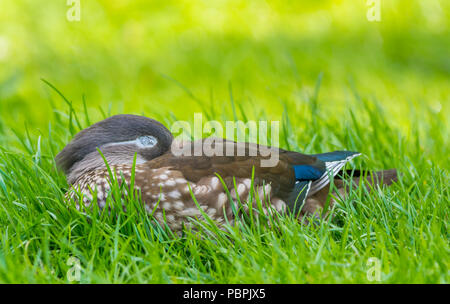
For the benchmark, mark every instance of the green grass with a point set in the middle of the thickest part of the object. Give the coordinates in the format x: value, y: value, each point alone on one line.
x: 405, y: 226
x: 333, y: 80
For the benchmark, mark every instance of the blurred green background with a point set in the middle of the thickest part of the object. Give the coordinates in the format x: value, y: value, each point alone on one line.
x: 126, y: 56
x: 384, y: 91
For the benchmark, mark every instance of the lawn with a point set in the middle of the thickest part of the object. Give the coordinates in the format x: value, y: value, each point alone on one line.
x: 334, y: 80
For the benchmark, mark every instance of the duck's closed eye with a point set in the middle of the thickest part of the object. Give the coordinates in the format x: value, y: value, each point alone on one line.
x: 147, y: 141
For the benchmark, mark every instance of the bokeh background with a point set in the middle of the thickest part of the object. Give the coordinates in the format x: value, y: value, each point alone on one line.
x: 136, y: 57
x: 333, y: 79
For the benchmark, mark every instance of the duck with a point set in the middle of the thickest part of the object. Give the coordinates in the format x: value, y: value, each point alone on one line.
x: 175, y: 187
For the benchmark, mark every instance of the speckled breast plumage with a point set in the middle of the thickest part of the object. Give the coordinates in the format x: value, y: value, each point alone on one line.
x: 165, y: 193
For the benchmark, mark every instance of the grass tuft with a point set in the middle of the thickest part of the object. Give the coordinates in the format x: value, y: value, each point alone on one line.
x: 404, y: 226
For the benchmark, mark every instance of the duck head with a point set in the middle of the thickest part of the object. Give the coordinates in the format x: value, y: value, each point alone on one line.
x: 119, y: 138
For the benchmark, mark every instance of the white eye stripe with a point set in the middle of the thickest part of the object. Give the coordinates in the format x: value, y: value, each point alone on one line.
x: 146, y: 141
x: 141, y: 142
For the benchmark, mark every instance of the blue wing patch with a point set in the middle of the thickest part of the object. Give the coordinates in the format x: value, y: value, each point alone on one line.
x: 307, y: 172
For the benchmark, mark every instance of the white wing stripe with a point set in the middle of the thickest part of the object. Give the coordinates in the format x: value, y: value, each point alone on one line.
x: 332, y: 169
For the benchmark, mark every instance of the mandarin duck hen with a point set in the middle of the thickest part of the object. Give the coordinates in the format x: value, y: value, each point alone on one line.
x: 297, y: 183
